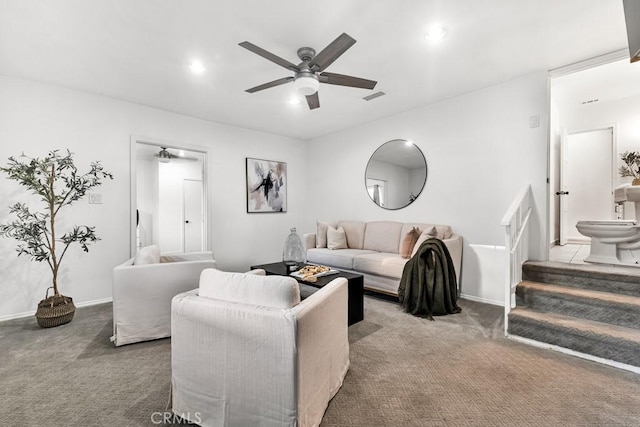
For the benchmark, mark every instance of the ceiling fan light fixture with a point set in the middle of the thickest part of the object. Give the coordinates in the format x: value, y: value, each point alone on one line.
x: 164, y: 156
x: 306, y: 84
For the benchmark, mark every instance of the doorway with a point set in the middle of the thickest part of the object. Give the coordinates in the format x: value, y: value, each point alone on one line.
x: 586, y: 181
x: 594, y: 95
x: 168, y: 197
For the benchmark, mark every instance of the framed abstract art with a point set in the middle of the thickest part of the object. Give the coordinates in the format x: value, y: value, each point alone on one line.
x: 266, y: 186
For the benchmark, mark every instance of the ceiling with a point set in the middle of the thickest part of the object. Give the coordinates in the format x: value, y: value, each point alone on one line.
x: 138, y: 51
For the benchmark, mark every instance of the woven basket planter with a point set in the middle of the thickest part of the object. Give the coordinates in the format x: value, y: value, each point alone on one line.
x: 55, y: 311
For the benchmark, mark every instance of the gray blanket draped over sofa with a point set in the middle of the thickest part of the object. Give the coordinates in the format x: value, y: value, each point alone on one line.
x: 428, y: 285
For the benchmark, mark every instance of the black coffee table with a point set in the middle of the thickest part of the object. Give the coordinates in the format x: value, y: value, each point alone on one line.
x: 355, y: 284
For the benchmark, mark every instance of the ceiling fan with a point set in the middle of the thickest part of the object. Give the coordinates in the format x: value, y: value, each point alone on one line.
x: 310, y: 72
x: 164, y: 156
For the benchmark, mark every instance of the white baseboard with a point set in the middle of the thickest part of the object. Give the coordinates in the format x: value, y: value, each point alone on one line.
x: 33, y: 313
x: 94, y: 302
x: 483, y: 300
x: 17, y: 315
x: 613, y: 363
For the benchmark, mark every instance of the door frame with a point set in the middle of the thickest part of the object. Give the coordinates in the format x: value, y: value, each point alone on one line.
x: 553, y: 73
x: 613, y: 169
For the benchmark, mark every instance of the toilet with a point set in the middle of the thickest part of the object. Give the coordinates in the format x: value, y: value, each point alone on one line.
x: 612, y: 242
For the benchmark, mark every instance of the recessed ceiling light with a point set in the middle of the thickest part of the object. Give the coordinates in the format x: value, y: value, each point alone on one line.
x: 196, y: 67
x: 294, y: 100
x: 436, y: 33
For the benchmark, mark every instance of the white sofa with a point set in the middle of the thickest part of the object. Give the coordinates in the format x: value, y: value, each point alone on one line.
x: 142, y: 292
x: 374, y: 251
x: 245, y: 351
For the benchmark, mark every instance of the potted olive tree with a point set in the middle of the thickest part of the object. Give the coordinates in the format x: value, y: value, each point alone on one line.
x: 56, y: 180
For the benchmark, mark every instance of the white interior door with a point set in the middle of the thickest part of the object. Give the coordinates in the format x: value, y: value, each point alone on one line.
x: 586, y: 181
x: 193, y: 218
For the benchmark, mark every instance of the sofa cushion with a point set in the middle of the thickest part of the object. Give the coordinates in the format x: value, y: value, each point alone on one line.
x: 147, y: 255
x: 355, y: 233
x: 380, y: 263
x: 336, y: 239
x: 383, y: 236
x: 270, y: 291
x: 409, y: 241
x: 321, y: 233
x: 338, y: 259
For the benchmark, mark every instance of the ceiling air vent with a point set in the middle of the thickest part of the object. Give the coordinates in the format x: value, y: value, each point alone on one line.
x: 374, y: 96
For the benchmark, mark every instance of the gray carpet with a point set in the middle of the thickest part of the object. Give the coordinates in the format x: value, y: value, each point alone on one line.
x: 405, y: 371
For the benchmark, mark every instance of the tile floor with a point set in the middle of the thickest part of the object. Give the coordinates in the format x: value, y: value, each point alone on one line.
x: 572, y: 253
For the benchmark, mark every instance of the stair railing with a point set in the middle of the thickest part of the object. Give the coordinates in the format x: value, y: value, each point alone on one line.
x: 516, y: 226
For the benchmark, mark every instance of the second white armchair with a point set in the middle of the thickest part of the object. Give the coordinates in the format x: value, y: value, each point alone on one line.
x: 143, y: 287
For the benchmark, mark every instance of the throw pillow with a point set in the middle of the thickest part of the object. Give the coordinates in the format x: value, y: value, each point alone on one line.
x: 321, y: 234
x: 147, y: 255
x: 427, y: 234
x: 409, y: 242
x: 336, y: 239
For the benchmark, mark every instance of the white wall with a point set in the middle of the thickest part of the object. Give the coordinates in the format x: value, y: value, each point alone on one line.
x: 480, y: 151
x: 35, y: 118
x: 624, y: 113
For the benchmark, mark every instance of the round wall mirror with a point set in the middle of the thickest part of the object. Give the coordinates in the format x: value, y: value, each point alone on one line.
x: 396, y: 174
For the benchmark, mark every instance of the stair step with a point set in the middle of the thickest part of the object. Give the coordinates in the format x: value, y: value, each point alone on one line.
x: 604, y: 278
x: 616, y: 309
x: 586, y: 336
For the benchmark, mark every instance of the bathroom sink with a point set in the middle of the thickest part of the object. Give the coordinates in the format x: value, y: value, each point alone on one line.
x: 627, y: 193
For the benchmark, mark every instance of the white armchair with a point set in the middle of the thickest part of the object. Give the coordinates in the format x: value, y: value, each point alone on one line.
x: 245, y: 351
x: 143, y: 287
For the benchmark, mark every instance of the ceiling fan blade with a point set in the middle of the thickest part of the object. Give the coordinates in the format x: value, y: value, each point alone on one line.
x: 270, y: 56
x: 330, y: 53
x: 270, y: 84
x: 342, y: 80
x: 313, y: 101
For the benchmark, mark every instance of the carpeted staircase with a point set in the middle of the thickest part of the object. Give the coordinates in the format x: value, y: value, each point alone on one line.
x: 586, y: 308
